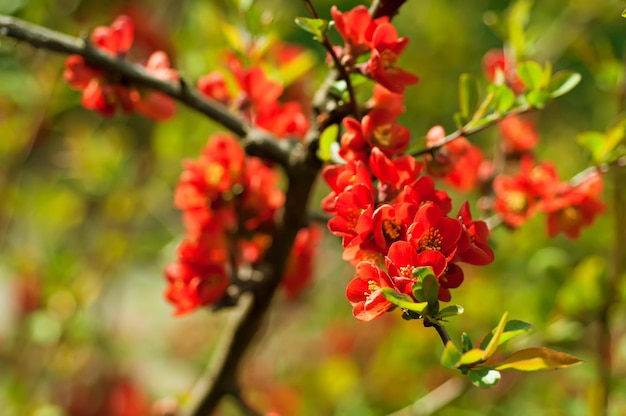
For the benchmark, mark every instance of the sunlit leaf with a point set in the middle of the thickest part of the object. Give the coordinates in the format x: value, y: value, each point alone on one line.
x: 593, y: 141
x: 537, y: 359
x: 505, y: 98
x: 466, y: 341
x: 327, y: 138
x: 468, y: 94
x: 472, y: 356
x: 538, y: 99
x: 317, y: 27
x: 451, y: 355
x: 512, y: 329
x: 491, y: 345
x: 563, y: 82
x: 531, y: 75
x: 403, y: 300
x: 448, y: 311
x: 485, y: 377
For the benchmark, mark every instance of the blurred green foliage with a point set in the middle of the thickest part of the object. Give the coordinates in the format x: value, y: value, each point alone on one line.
x: 87, y: 225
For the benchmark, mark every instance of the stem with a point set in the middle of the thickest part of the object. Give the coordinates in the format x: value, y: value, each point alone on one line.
x: 465, y: 131
x: 343, y: 74
x: 441, y: 330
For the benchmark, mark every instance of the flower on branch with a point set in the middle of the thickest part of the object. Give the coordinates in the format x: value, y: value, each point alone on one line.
x: 103, y: 92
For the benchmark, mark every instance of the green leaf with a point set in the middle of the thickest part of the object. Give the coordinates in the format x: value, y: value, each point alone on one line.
x: 485, y: 377
x: 593, y: 141
x: 459, y: 120
x: 512, y: 329
x: 430, y: 286
x: 538, y: 99
x: 451, y: 310
x: 531, y: 75
x: 505, y: 98
x: 420, y: 273
x: 327, y: 138
x: 468, y: 95
x: 317, y: 27
x: 473, y: 356
x: 537, y: 359
x: 451, y: 355
x: 624, y: 13
x: 466, y: 341
x: 403, y: 300
x: 491, y: 345
x: 563, y: 82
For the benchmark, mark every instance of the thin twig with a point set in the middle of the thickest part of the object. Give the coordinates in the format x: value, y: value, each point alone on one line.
x: 469, y: 131
x: 343, y: 74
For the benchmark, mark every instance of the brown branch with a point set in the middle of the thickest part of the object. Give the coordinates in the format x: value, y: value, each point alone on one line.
x: 390, y: 8
x: 44, y: 38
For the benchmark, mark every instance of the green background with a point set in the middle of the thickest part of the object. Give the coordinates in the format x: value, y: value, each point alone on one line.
x: 87, y: 225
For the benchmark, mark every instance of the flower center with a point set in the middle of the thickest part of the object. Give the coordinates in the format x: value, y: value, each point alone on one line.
x: 516, y: 201
x: 214, y: 173
x: 388, y: 59
x: 431, y: 240
x: 407, y: 271
x: 372, y: 286
x: 391, y: 228
x: 570, y: 216
x: 382, y: 135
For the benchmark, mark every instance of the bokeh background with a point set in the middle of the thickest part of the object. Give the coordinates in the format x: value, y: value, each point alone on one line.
x: 87, y: 225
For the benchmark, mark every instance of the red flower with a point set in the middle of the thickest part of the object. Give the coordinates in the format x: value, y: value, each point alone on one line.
x: 339, y: 177
x: 354, y: 214
x: 190, y: 287
x: 423, y: 191
x: 364, y: 292
x: 393, y: 174
x: 387, y: 100
x: 433, y: 230
x: 353, y: 144
x: 514, y: 201
x: 386, y: 48
x: 495, y: 62
x: 380, y: 130
x: 465, y: 173
x: 390, y: 223
x: 574, y: 208
x: 261, y: 197
x: 519, y: 134
x: 473, y: 244
x: 283, y: 120
x: 213, y: 85
x: 356, y: 27
x: 402, y: 259
x: 450, y: 279
x: 444, y: 160
x: 542, y: 179
x: 116, y: 39
x: 152, y: 104
x: 299, y: 269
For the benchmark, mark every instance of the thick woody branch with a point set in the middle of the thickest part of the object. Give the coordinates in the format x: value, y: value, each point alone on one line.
x: 389, y: 8
x: 262, y: 144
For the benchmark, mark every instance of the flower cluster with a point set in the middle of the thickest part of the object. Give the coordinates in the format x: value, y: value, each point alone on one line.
x: 393, y: 221
x: 229, y: 201
x: 257, y: 98
x: 362, y: 34
x: 537, y: 188
x: 106, y: 93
